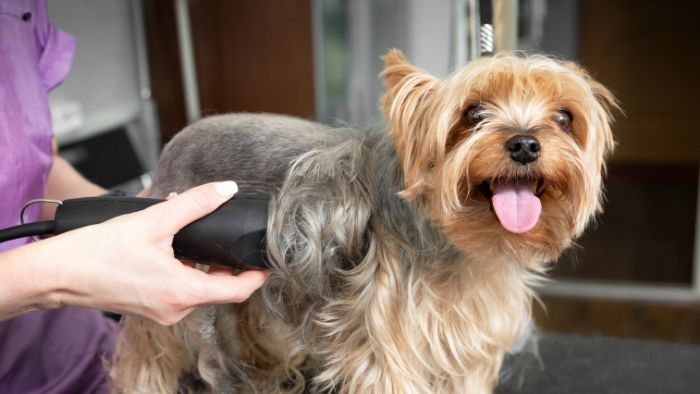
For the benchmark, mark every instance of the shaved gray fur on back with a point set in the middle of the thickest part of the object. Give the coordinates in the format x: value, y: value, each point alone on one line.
x: 254, y: 150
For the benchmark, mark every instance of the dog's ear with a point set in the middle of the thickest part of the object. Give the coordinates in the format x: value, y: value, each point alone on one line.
x: 604, y: 96
x: 398, y: 75
x: 405, y: 104
x: 600, y: 126
x: 607, y: 104
x: 396, y: 67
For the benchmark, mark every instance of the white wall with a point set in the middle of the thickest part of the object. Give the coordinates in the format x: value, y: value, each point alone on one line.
x: 102, y: 86
x: 430, y: 24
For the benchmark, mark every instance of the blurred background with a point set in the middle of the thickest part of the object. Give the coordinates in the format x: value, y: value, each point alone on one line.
x: 146, y: 68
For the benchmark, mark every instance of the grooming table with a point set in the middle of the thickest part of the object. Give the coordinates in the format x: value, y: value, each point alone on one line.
x: 572, y: 364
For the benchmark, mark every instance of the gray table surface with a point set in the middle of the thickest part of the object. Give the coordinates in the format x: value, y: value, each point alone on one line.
x: 602, y: 365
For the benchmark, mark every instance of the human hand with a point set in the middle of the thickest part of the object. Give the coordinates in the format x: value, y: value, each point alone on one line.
x: 145, y: 192
x: 126, y: 264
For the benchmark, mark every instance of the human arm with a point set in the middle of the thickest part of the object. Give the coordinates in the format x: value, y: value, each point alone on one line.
x: 124, y: 265
x: 65, y: 182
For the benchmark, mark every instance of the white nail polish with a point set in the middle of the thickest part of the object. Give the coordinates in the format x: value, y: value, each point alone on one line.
x: 227, y: 188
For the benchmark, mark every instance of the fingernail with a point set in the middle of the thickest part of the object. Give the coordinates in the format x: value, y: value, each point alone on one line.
x: 172, y: 194
x: 227, y: 188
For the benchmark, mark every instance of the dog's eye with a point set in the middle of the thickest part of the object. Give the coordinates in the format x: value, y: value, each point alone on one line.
x: 474, y: 115
x: 563, y: 118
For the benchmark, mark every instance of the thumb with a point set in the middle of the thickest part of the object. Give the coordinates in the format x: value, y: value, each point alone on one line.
x: 222, y: 289
x: 183, y: 209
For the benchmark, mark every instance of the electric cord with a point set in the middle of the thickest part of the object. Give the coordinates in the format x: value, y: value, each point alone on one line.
x: 27, y: 230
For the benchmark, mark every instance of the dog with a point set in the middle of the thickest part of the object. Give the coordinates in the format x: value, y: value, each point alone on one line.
x: 403, y: 259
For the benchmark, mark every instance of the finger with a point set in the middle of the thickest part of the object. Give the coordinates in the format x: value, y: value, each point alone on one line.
x: 171, y: 318
x: 189, y: 263
x: 221, y: 289
x: 214, y: 270
x: 179, y: 211
x: 144, y: 193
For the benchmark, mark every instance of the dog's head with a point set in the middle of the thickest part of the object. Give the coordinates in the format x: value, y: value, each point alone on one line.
x: 506, y: 155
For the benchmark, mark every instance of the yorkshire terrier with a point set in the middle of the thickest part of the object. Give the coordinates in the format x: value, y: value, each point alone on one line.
x: 403, y: 259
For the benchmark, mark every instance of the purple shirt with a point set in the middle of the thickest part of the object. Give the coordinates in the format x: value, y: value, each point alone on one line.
x: 34, y: 58
x: 62, y: 350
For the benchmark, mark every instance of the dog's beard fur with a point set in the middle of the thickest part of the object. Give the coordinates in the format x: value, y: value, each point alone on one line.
x: 391, y: 273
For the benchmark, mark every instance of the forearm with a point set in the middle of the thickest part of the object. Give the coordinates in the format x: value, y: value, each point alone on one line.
x: 25, y: 280
x: 123, y: 265
x: 65, y: 182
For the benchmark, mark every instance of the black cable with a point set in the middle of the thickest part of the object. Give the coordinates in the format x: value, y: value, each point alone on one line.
x: 486, y: 12
x: 27, y: 230
x: 486, y: 32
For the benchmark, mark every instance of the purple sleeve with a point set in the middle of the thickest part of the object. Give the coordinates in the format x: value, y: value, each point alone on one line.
x: 56, y: 49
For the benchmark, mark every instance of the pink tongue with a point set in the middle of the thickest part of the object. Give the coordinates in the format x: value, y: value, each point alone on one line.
x: 516, y: 206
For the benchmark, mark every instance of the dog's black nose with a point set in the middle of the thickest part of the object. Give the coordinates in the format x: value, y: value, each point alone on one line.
x: 523, y: 148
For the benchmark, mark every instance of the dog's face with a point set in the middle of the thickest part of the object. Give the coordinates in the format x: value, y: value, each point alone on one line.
x: 506, y: 155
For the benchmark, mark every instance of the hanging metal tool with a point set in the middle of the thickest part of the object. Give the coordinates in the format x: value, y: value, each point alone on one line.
x: 486, y: 32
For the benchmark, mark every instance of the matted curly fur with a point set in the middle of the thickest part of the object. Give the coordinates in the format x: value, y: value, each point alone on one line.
x: 391, y: 272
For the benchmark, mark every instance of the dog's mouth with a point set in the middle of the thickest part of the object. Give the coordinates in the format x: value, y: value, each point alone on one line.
x: 515, y: 202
